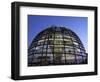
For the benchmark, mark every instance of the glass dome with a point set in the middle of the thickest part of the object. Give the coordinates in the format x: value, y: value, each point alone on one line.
x: 56, y: 46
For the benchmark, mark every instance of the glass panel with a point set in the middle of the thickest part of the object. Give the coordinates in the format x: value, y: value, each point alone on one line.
x: 58, y: 42
x: 79, y: 59
x: 69, y: 50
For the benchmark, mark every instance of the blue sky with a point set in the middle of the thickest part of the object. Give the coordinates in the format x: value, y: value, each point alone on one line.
x: 36, y: 23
